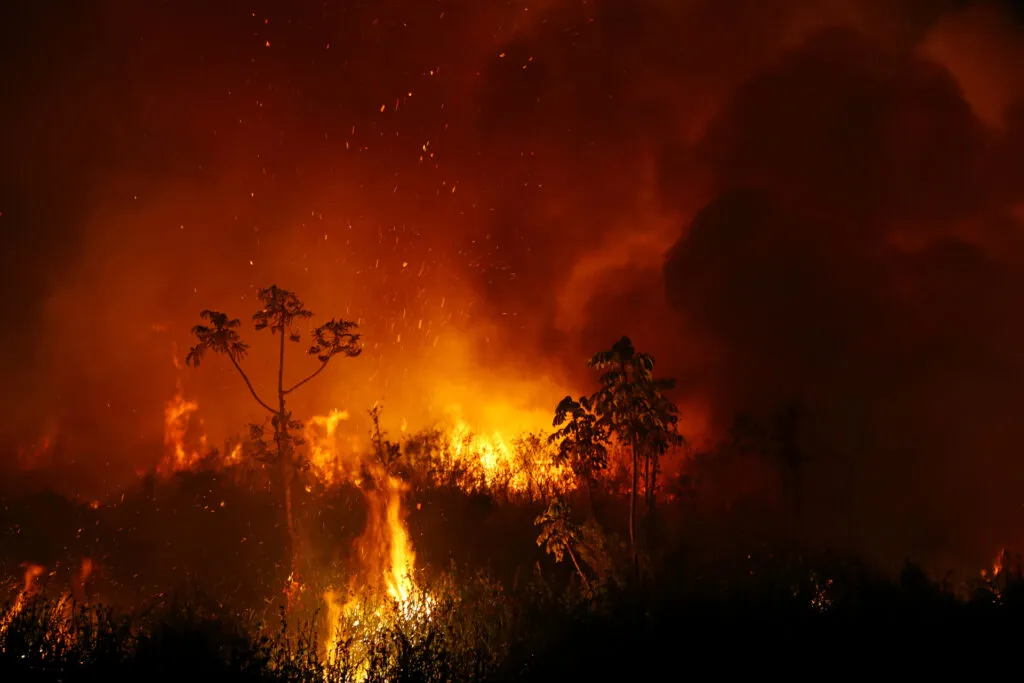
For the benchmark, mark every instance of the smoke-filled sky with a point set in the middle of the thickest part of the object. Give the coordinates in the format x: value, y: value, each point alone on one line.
x: 818, y: 197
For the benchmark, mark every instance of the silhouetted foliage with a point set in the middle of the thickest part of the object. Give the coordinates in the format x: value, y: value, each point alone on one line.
x: 387, y: 452
x: 581, y: 437
x: 280, y: 309
x: 631, y: 405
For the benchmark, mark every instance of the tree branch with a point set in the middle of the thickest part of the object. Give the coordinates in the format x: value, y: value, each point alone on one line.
x: 318, y: 371
x: 249, y: 384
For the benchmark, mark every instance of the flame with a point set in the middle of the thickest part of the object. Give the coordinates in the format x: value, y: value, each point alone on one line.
x: 321, y: 434
x: 999, y: 564
x: 491, y: 461
x: 178, y: 427
x: 61, y: 623
x: 234, y: 456
x: 32, y: 572
x: 335, y: 613
x: 385, y: 548
x: 385, y: 554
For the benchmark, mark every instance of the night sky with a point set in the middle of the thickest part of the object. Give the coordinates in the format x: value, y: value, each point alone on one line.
x: 818, y: 198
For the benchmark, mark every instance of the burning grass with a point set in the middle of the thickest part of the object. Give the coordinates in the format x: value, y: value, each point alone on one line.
x: 470, y: 627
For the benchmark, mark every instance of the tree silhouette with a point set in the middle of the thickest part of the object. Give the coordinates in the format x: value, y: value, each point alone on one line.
x: 280, y: 309
x: 630, y: 404
x: 388, y: 453
x: 659, y: 433
x: 582, y: 440
x: 558, y: 534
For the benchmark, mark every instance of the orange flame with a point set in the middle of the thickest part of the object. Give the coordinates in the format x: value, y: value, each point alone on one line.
x: 178, y: 424
x: 325, y: 457
x: 32, y: 572
x: 385, y: 551
x: 999, y: 564
x: 491, y: 461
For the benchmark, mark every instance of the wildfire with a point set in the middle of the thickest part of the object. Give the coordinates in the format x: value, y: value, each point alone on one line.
x: 326, y: 458
x: 234, y: 456
x: 385, y: 554
x: 32, y: 572
x: 999, y: 564
x: 382, y: 590
x: 490, y: 461
x: 59, y: 616
x: 335, y: 613
x: 180, y: 416
x: 384, y: 548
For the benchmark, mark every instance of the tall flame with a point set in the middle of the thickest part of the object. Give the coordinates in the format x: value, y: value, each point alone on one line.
x: 384, y: 548
x: 326, y: 459
x: 385, y: 553
x: 178, y: 425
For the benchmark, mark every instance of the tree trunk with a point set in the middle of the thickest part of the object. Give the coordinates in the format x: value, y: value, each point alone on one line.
x: 647, y: 481
x: 632, y: 509
x: 284, y: 459
x: 572, y: 556
x: 650, y: 484
x: 654, y: 480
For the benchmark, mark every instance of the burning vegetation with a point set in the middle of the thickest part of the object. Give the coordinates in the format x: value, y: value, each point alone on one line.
x: 368, y: 610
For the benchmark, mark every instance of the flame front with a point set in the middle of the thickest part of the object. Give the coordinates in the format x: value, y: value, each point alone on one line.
x: 490, y: 461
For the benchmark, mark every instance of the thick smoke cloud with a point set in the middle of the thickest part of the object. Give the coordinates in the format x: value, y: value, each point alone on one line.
x: 855, y: 254
x: 818, y: 198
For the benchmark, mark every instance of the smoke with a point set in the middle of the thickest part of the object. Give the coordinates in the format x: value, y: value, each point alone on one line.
x: 817, y: 198
x: 859, y: 251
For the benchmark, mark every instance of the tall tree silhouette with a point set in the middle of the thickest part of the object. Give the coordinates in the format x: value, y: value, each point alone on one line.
x: 659, y: 434
x: 280, y: 310
x: 631, y: 406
